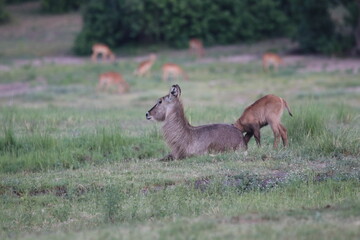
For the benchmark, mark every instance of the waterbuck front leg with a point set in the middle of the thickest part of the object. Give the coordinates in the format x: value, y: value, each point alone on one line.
x: 248, y: 136
x: 167, y: 158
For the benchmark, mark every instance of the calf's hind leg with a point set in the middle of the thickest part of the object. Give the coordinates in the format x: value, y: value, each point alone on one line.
x: 276, y: 130
x: 283, y: 133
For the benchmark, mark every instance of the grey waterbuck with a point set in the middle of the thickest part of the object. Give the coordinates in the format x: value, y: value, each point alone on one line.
x: 186, y: 140
x: 266, y: 110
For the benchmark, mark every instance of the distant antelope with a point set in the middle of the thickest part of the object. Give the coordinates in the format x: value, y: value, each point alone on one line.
x: 103, y: 50
x: 266, y: 110
x: 111, y: 80
x: 186, y: 140
x: 197, y: 47
x: 271, y: 59
x: 174, y: 71
x: 145, y: 66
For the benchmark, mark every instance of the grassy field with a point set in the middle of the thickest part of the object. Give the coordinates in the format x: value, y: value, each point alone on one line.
x: 80, y: 164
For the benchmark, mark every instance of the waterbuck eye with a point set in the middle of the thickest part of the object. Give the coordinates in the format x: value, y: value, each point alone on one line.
x: 160, y: 101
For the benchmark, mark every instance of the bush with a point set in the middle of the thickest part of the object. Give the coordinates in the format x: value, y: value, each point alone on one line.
x: 117, y: 22
x: 316, y: 30
x: 17, y: 1
x: 60, y: 6
x: 4, y: 16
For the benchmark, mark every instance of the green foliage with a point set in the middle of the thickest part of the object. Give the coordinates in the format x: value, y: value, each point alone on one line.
x: 117, y: 22
x: 4, y: 15
x: 317, y: 31
x: 17, y: 1
x: 60, y: 6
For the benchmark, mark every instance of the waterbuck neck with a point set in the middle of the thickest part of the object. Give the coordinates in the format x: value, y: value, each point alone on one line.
x: 176, y: 129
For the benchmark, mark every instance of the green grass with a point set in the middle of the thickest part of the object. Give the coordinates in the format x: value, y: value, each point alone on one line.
x: 80, y: 164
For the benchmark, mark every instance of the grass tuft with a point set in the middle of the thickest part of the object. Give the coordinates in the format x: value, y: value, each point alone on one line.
x: 308, y: 122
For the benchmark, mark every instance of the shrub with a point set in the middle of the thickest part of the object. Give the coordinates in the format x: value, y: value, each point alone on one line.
x: 17, y: 1
x: 117, y: 22
x: 56, y: 6
x: 4, y: 15
x: 317, y: 31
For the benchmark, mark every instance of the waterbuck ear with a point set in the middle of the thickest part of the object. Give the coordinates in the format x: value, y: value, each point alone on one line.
x: 175, y: 91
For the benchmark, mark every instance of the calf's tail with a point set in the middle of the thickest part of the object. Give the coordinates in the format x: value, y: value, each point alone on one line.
x: 287, y: 107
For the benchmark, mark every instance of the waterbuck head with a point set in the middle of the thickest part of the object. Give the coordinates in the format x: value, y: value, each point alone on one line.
x: 165, y: 105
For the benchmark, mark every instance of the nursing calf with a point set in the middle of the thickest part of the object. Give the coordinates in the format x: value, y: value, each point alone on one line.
x: 266, y: 110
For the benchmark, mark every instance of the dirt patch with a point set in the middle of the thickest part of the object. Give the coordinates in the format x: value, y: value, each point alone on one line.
x: 239, y: 59
x: 12, y: 89
x: 304, y: 63
x: 19, y: 88
x: 242, y: 182
x: 62, y: 60
x: 323, y: 64
x: 247, y: 219
x: 59, y: 191
x: 245, y: 182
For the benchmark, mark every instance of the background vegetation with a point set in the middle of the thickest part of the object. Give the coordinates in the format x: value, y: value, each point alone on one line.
x: 325, y: 26
x: 117, y: 22
x: 4, y: 15
x: 55, y: 6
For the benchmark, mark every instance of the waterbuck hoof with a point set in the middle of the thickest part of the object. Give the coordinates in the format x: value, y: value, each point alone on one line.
x: 167, y: 158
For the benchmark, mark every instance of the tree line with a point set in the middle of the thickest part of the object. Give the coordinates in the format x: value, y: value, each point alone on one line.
x: 325, y: 26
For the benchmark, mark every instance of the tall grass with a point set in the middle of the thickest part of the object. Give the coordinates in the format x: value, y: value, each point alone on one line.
x: 308, y: 122
x: 36, y: 151
x: 312, y: 131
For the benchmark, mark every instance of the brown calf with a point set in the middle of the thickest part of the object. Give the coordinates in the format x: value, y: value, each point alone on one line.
x: 266, y: 110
